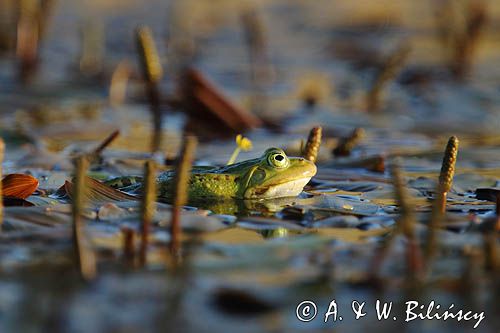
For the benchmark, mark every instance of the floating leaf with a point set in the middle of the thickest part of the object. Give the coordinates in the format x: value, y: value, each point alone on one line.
x: 19, y: 185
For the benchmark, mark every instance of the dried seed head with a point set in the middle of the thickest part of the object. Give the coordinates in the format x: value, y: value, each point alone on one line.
x: 311, y: 149
x: 148, y: 54
x: 444, y: 185
x: 448, y: 166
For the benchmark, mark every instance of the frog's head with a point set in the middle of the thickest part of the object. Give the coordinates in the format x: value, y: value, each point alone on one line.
x: 276, y: 175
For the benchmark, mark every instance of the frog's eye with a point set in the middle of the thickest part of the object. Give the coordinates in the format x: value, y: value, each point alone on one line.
x: 278, y: 160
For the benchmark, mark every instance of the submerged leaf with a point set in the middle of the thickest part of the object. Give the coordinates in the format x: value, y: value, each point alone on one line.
x: 19, y: 185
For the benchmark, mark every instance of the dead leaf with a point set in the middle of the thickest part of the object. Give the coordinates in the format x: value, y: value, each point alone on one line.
x: 19, y: 185
x: 99, y: 193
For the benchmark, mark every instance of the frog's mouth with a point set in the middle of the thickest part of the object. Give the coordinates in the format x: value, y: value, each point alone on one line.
x: 291, y: 188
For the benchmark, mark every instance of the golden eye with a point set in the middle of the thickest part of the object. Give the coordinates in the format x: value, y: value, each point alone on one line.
x: 278, y: 160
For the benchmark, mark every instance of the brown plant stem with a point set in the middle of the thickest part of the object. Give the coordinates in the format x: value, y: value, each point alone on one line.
x: 109, y: 140
x: 152, y: 72
x: 28, y: 39
x: 347, y: 144
x: 84, y: 255
x: 128, y: 245
x: 118, y: 85
x: 406, y: 221
x: 386, y: 73
x: 182, y: 176
x: 148, y: 207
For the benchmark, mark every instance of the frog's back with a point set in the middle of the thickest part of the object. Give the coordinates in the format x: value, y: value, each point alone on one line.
x: 203, y: 183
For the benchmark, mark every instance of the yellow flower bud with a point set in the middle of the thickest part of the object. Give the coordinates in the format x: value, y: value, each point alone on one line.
x: 243, y: 143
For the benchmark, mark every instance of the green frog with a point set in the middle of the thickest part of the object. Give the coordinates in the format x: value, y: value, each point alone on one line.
x: 273, y: 175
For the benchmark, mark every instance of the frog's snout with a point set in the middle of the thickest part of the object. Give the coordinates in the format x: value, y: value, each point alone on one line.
x: 309, y: 167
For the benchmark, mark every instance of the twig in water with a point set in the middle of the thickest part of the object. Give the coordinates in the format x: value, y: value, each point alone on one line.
x: 27, y: 39
x: 182, y: 175
x: 92, y: 49
x: 45, y: 12
x: 109, y: 140
x: 7, y: 32
x: 260, y: 68
x: 147, y: 208
x: 390, y: 69
x: 128, y: 244
x: 347, y: 144
x: 313, y: 143
x: 407, y: 222
x: 118, y: 85
x: 491, y: 248
x: 466, y: 41
x: 85, y: 257
x: 152, y: 72
x: 405, y: 225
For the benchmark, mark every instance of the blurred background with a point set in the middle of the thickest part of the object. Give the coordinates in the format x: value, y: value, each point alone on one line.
x: 382, y: 78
